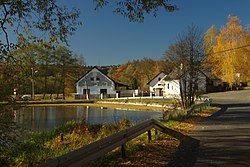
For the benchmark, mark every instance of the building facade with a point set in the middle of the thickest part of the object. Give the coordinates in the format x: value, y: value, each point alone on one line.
x: 95, y: 84
x: 169, y: 85
x: 161, y: 86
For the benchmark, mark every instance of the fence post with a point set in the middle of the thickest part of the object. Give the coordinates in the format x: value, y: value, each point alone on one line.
x: 61, y: 135
x: 156, y: 132
x: 123, y: 151
x: 149, y: 136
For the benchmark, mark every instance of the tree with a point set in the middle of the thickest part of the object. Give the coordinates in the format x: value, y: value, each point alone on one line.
x: 210, y: 40
x: 66, y: 63
x: 31, y: 21
x: 27, y: 21
x: 227, y: 59
x: 137, y: 73
x: 187, y: 54
x: 135, y: 10
x: 244, y: 61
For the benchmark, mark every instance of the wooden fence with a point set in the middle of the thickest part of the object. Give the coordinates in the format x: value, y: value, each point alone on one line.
x: 95, y: 150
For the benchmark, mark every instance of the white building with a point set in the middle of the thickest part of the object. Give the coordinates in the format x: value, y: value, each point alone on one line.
x: 95, y: 84
x: 169, y: 85
x: 160, y: 85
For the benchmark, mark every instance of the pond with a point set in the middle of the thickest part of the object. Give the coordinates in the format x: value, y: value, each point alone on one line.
x: 46, y: 118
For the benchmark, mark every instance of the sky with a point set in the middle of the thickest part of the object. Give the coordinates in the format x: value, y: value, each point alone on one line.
x: 107, y: 38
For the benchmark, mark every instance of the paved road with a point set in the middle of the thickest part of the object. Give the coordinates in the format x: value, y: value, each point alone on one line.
x: 225, y: 136
x: 242, y: 96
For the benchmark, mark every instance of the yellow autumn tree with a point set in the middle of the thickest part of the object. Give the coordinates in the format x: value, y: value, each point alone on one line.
x: 227, y: 56
x: 210, y: 40
x: 209, y: 43
x: 243, y: 61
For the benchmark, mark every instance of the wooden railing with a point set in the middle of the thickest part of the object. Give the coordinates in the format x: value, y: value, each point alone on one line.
x: 95, y: 150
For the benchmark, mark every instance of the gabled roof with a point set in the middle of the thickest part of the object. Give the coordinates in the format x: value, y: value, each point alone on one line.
x: 185, y: 72
x: 155, y: 77
x: 177, y: 74
x: 86, y: 74
x: 173, y: 75
x: 117, y: 84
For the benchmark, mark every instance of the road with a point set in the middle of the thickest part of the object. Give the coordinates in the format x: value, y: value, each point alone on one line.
x: 232, y: 97
x: 225, y: 136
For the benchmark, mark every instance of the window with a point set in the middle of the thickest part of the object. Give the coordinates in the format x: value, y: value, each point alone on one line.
x: 98, y: 79
x: 159, y: 78
x: 168, y: 85
x: 172, y: 88
x: 92, y: 78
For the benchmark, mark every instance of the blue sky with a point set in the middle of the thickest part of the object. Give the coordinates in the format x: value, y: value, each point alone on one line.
x: 107, y: 38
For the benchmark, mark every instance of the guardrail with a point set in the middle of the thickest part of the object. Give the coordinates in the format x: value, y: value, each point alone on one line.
x: 95, y: 150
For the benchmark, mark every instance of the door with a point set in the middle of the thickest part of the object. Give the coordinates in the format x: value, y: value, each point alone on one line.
x: 104, y: 92
x: 159, y: 92
x: 86, y: 92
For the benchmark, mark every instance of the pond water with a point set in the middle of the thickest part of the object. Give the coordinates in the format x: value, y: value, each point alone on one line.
x: 46, y: 118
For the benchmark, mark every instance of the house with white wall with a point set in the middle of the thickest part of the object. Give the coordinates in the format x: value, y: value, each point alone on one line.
x: 169, y: 85
x: 95, y: 84
x: 161, y: 85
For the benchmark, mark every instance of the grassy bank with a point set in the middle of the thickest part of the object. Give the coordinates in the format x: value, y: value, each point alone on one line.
x: 129, y: 104
x: 105, y: 105
x: 158, y: 152
x: 145, y: 104
x: 161, y: 102
x: 37, y: 147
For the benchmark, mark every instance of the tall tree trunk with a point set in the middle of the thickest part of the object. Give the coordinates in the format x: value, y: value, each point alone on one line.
x: 45, y: 79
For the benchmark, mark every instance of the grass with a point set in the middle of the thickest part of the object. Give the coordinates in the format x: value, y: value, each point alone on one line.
x: 38, y: 147
x: 41, y: 146
x: 140, y: 152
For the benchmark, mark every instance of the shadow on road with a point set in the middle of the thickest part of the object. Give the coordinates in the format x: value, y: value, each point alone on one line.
x: 186, y: 153
x: 224, y: 136
x: 220, y: 140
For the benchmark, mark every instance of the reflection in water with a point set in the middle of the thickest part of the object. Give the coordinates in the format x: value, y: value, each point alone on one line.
x: 46, y: 118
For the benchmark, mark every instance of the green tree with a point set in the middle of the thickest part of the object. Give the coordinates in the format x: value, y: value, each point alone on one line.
x: 31, y: 21
x: 66, y: 62
x: 27, y: 21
